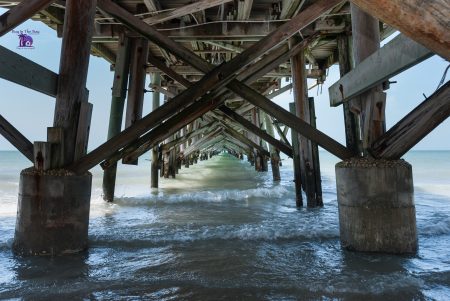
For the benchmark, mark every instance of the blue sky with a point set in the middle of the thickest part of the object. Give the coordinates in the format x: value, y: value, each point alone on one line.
x: 32, y: 112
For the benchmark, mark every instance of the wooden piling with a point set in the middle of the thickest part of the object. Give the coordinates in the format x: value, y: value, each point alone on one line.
x: 366, y: 40
x: 274, y: 153
x: 135, y: 99
x: 307, y: 167
x: 119, y: 89
x: 156, y: 80
x: 73, y: 68
x: 296, y: 162
x: 351, y: 119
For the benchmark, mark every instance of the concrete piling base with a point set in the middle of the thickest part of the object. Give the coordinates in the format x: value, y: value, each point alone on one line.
x: 376, y: 206
x: 52, y: 213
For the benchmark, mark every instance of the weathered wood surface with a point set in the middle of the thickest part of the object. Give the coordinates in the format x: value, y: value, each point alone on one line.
x: 154, y: 175
x: 292, y: 121
x: 219, y: 76
x: 414, y: 126
x: 42, y: 155
x: 136, y: 86
x: 274, y: 151
x: 16, y: 138
x: 256, y: 50
x: 315, y: 157
x: 20, y: 13
x: 256, y: 130
x: 235, y: 134
x: 27, y: 73
x: 365, y: 42
x: 351, y: 123
x: 84, y: 126
x: 55, y: 136
x: 158, y: 134
x: 119, y: 89
x: 296, y: 160
x: 393, y: 58
x: 75, y: 52
x: 303, y: 111
x: 426, y: 22
x: 184, y: 10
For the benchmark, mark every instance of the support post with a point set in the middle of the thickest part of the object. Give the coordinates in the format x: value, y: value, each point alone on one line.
x: 296, y: 162
x: 119, y: 89
x: 366, y: 40
x: 351, y: 119
x: 53, y: 214
x: 307, y: 167
x: 154, y: 177
x: 135, y: 100
x: 375, y: 196
x: 274, y: 153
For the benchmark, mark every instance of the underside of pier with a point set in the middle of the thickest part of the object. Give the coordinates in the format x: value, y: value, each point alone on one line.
x: 213, y: 67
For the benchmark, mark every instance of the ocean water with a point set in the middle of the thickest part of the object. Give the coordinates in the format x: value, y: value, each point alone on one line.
x: 222, y: 231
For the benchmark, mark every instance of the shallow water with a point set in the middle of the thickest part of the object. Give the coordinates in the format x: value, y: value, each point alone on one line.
x: 221, y: 231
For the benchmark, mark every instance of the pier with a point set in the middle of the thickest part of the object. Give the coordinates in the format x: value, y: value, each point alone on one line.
x: 214, y: 67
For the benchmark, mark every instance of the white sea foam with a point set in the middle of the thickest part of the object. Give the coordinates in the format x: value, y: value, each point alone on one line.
x: 205, y: 196
x: 438, y: 227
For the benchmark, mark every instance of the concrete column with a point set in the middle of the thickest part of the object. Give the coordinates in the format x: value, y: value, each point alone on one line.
x: 376, y: 206
x: 53, y: 212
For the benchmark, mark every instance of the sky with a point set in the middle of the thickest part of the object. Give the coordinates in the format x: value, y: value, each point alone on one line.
x: 32, y: 112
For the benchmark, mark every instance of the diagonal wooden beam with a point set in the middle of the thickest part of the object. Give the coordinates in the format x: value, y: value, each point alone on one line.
x: 27, y: 73
x: 414, y: 126
x: 16, y: 138
x: 423, y: 21
x: 153, y: 137
x: 235, y: 134
x: 184, y: 138
x: 291, y: 120
x: 256, y: 130
x: 214, y: 133
x: 20, y: 13
x: 218, y: 77
x: 184, y: 10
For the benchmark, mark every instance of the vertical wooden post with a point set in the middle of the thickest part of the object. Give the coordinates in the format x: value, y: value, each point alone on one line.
x: 264, y: 163
x: 296, y: 162
x: 168, y: 156
x: 135, y: 100
x: 257, y: 157
x: 156, y: 80
x: 307, y: 167
x: 121, y: 71
x: 366, y: 40
x: 274, y: 153
x: 315, y: 156
x: 351, y: 119
x: 73, y: 68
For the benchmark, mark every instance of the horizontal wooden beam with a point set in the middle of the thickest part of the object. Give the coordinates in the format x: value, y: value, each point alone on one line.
x: 414, y: 126
x: 211, y: 31
x: 27, y: 73
x: 19, y: 141
x: 423, y: 21
x: 184, y: 10
x: 396, y: 56
x: 20, y: 13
